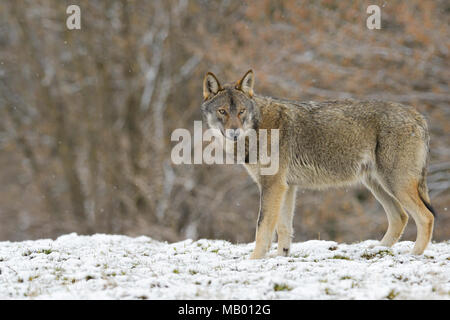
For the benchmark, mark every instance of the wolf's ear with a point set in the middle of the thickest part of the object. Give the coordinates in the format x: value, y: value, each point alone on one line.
x: 210, y: 85
x: 246, y: 83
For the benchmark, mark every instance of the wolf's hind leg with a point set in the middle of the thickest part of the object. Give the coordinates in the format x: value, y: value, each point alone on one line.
x: 397, y: 217
x: 284, y: 225
x: 409, y: 197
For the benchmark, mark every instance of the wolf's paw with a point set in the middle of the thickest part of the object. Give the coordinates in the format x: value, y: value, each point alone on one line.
x: 375, y: 244
x: 387, y: 244
x: 417, y: 251
x: 283, y: 252
x: 256, y: 256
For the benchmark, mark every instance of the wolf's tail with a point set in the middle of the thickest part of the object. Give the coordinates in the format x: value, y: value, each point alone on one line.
x: 422, y: 187
x: 423, y: 192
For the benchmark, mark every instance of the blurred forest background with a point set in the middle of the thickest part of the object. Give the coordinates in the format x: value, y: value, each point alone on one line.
x: 86, y: 115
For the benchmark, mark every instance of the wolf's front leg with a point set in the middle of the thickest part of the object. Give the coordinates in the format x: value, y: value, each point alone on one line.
x: 272, y: 197
x: 284, y: 225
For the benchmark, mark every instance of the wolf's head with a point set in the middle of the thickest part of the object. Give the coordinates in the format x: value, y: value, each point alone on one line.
x: 230, y: 108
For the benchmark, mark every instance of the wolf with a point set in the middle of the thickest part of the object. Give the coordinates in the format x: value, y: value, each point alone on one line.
x: 383, y: 145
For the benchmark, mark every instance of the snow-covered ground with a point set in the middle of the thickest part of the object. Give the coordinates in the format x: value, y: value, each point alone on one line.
x: 119, y: 267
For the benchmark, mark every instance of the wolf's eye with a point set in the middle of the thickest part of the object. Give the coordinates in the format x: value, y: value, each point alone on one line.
x: 221, y: 111
x: 241, y: 112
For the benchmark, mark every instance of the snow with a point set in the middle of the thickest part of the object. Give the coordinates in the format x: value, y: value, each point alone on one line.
x: 119, y: 267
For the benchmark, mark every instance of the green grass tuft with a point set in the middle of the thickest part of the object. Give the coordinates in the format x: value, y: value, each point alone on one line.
x: 392, y: 294
x: 381, y: 254
x: 338, y: 256
x: 281, y: 287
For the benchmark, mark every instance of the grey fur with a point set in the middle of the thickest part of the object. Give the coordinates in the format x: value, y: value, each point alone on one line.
x: 383, y: 145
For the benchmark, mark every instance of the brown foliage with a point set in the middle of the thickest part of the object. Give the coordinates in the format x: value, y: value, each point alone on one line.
x: 86, y: 115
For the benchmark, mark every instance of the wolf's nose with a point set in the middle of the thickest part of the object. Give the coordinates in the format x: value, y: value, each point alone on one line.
x: 233, y: 134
